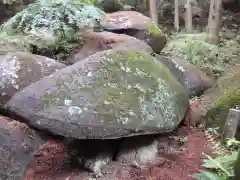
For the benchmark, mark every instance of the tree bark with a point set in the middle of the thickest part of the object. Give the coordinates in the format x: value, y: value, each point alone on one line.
x: 176, y: 14
x: 153, y: 10
x: 214, y: 21
x: 188, y: 17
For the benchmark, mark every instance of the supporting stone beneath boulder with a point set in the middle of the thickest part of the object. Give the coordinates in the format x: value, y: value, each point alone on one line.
x: 18, y: 143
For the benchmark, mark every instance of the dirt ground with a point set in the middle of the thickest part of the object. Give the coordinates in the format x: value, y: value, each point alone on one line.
x: 53, y: 164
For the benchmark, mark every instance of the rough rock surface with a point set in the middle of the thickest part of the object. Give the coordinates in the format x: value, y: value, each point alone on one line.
x: 111, y: 94
x: 137, y: 25
x: 216, y: 102
x: 18, y: 144
x: 99, y: 41
x: 138, y: 151
x: 20, y: 69
x: 195, y: 81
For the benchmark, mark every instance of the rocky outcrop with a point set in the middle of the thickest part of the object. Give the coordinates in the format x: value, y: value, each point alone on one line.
x: 111, y: 94
x: 137, y: 25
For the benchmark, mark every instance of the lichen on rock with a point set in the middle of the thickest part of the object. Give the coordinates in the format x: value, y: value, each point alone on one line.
x: 54, y: 25
x: 218, y: 100
x: 111, y: 94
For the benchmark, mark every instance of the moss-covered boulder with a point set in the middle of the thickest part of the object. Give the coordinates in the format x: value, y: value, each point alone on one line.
x: 137, y: 25
x: 111, y: 94
x: 191, y: 78
x: 20, y: 69
x: 217, y: 101
x: 54, y: 25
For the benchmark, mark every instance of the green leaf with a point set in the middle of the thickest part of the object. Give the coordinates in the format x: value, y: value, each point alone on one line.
x: 204, y: 175
x: 215, y: 164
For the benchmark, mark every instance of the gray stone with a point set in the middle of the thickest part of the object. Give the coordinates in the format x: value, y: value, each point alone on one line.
x: 138, y: 151
x: 195, y: 81
x: 111, y: 94
x: 137, y: 25
x: 99, y: 41
x: 20, y: 69
x: 18, y: 144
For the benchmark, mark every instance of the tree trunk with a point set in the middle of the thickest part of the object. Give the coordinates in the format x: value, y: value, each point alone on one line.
x: 214, y: 21
x: 188, y: 17
x: 153, y: 10
x: 176, y: 14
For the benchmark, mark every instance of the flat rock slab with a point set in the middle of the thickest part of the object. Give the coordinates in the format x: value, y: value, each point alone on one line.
x: 20, y: 69
x: 18, y: 144
x: 99, y: 41
x: 111, y: 94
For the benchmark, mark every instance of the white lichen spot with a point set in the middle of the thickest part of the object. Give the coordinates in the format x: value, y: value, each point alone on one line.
x: 16, y: 86
x: 89, y: 74
x: 106, y: 102
x: 112, y: 85
x: 129, y: 86
x: 9, y: 68
x: 68, y: 102
x: 131, y: 113
x: 126, y: 69
x: 140, y: 73
x: 138, y: 86
x: 181, y: 68
x: 75, y: 110
x: 123, y: 120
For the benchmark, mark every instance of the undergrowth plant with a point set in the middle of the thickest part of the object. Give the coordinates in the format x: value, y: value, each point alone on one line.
x: 222, y: 166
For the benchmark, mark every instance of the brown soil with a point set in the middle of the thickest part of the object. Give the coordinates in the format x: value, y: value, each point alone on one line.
x: 52, y: 164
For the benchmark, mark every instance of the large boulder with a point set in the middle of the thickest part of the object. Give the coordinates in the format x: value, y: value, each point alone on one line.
x: 20, y: 69
x: 216, y: 102
x: 53, y: 26
x: 99, y: 41
x: 137, y: 25
x: 195, y: 81
x: 18, y: 144
x: 111, y: 94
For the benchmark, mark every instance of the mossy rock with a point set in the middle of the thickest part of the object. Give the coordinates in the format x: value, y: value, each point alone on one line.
x: 54, y: 25
x: 218, y: 100
x: 137, y: 25
x: 111, y: 94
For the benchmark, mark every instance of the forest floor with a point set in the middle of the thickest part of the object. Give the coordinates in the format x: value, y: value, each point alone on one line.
x: 53, y: 164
